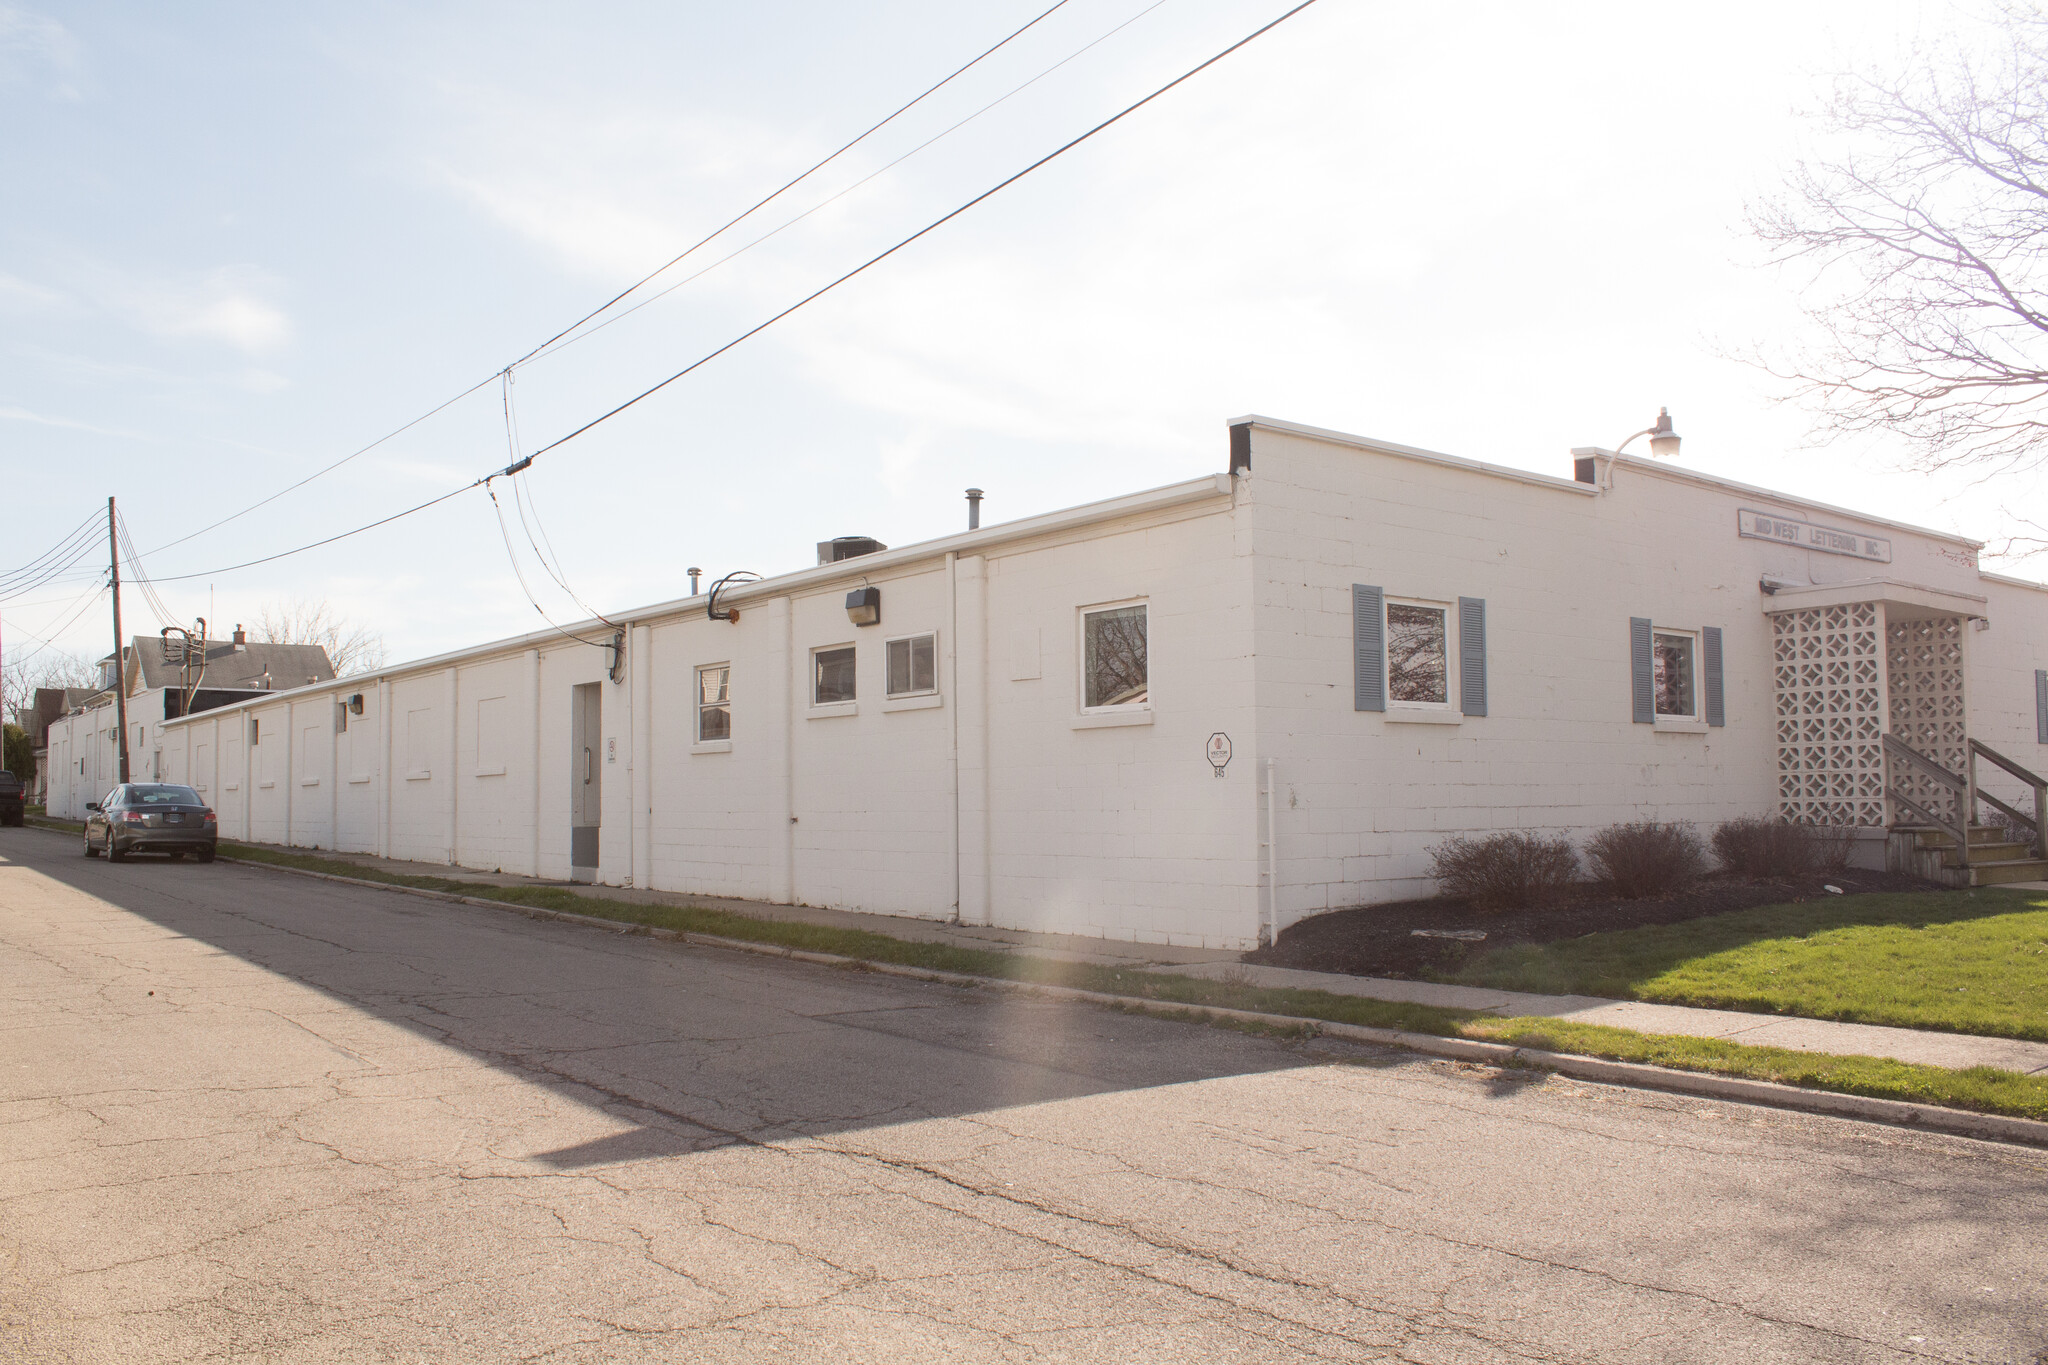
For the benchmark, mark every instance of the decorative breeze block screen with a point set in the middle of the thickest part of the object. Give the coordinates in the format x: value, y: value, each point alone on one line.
x: 1924, y: 665
x: 1829, y: 689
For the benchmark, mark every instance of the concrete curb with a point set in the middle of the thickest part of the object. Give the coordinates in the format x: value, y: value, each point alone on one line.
x: 1900, y: 1113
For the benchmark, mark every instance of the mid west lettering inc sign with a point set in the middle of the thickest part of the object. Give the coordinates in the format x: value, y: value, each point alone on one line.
x: 1770, y: 526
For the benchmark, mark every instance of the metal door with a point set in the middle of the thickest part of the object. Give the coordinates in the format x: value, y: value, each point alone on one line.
x: 586, y: 778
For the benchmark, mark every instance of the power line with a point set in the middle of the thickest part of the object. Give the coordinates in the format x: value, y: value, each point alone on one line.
x: 929, y: 227
x: 53, y: 562
x: 505, y: 533
x: 518, y: 466
x: 442, y: 407
x: 329, y: 540
x: 551, y: 348
x: 791, y: 184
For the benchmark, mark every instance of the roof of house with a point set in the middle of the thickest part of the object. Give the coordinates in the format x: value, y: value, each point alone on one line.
x: 231, y: 665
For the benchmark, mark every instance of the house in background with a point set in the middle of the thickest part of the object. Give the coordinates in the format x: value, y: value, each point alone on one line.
x: 1194, y: 714
x: 162, y: 684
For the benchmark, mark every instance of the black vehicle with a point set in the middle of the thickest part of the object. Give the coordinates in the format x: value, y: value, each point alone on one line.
x: 11, y: 808
x: 150, y: 817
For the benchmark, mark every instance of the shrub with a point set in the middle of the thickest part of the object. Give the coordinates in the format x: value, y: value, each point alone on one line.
x: 1757, y: 846
x: 1648, y: 858
x: 1505, y: 871
x: 1830, y: 845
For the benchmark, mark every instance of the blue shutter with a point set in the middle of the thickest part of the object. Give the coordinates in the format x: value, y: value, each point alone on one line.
x: 1369, y: 645
x: 2041, y: 705
x: 1715, y: 708
x: 1642, y: 671
x: 1472, y: 655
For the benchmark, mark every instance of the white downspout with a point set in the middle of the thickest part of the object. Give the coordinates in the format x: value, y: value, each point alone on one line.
x: 533, y: 844
x: 953, y: 708
x: 452, y: 699
x: 384, y: 769
x: 1270, y: 929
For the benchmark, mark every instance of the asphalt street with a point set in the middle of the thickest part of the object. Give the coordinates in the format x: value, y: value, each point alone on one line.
x: 248, y: 1116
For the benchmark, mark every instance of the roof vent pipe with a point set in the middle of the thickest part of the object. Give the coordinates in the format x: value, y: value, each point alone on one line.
x: 694, y: 575
x: 974, y: 509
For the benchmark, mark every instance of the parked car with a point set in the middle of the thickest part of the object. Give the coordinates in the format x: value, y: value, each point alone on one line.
x: 11, y: 799
x: 150, y: 817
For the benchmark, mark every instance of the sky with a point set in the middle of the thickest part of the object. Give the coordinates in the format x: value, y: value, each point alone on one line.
x: 239, y: 243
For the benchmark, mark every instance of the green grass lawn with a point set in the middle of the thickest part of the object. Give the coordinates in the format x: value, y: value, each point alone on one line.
x: 1965, y: 962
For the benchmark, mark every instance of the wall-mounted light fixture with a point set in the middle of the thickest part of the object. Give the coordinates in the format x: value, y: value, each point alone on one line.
x: 355, y: 704
x: 864, y: 606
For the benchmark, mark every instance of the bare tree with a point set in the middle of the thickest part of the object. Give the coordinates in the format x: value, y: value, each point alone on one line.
x: 1923, y: 240
x: 351, y: 646
x: 43, y: 668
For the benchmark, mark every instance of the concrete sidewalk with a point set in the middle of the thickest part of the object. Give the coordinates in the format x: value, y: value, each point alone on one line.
x: 1954, y: 1050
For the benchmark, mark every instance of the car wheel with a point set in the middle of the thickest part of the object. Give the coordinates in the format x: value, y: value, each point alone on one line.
x: 114, y: 850
x: 205, y: 855
x: 177, y: 857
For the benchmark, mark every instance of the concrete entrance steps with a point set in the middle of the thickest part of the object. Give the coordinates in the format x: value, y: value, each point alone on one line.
x: 1956, y: 1050
x: 1991, y: 859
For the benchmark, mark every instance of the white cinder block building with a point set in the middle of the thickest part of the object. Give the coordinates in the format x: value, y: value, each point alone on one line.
x: 1191, y: 715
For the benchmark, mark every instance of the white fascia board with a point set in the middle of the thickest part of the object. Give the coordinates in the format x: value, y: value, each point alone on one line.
x: 2010, y: 582
x: 1498, y: 471
x: 1679, y: 475
x: 1889, y: 590
x: 1131, y: 504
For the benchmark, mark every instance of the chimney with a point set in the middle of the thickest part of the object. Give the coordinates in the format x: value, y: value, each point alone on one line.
x: 974, y: 509
x: 241, y: 638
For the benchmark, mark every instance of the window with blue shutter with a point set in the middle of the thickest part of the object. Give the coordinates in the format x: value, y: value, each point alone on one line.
x: 1642, y: 671
x: 1715, y: 709
x: 1472, y: 656
x: 1369, y: 647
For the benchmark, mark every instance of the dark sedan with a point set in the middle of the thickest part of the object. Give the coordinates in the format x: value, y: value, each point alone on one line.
x: 150, y: 817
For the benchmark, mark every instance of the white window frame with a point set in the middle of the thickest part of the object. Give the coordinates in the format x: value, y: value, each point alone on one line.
x: 1081, y: 615
x: 697, y: 704
x: 1688, y: 720
x: 912, y: 639
x: 821, y: 709
x: 1449, y: 705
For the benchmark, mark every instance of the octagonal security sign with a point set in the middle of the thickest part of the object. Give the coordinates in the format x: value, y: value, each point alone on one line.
x: 1219, y: 752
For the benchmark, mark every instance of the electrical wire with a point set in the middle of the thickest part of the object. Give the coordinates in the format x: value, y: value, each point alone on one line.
x: 763, y: 203
x: 505, y: 533
x: 734, y: 222
x: 150, y: 599
x: 329, y: 540
x: 518, y: 466
x: 552, y: 348
x: 86, y: 604
x: 53, y: 562
x: 519, y: 501
x: 932, y: 226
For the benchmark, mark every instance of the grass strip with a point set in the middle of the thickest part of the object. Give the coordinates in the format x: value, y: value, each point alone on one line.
x: 1982, y: 1089
x: 1971, y: 962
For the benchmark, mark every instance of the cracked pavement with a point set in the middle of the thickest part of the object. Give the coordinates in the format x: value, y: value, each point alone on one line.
x: 246, y: 1116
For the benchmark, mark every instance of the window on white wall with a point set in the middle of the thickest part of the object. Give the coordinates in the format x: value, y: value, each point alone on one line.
x: 831, y: 675
x: 1418, y: 653
x: 912, y: 666
x: 1115, y: 667
x: 1674, y: 667
x: 714, y: 702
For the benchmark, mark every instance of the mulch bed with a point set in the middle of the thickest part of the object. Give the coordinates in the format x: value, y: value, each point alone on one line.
x: 1378, y: 940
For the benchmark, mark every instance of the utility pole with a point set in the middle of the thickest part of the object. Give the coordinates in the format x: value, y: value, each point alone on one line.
x: 120, y: 663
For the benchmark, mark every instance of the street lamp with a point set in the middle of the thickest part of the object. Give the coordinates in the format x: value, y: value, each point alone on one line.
x: 1663, y: 440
